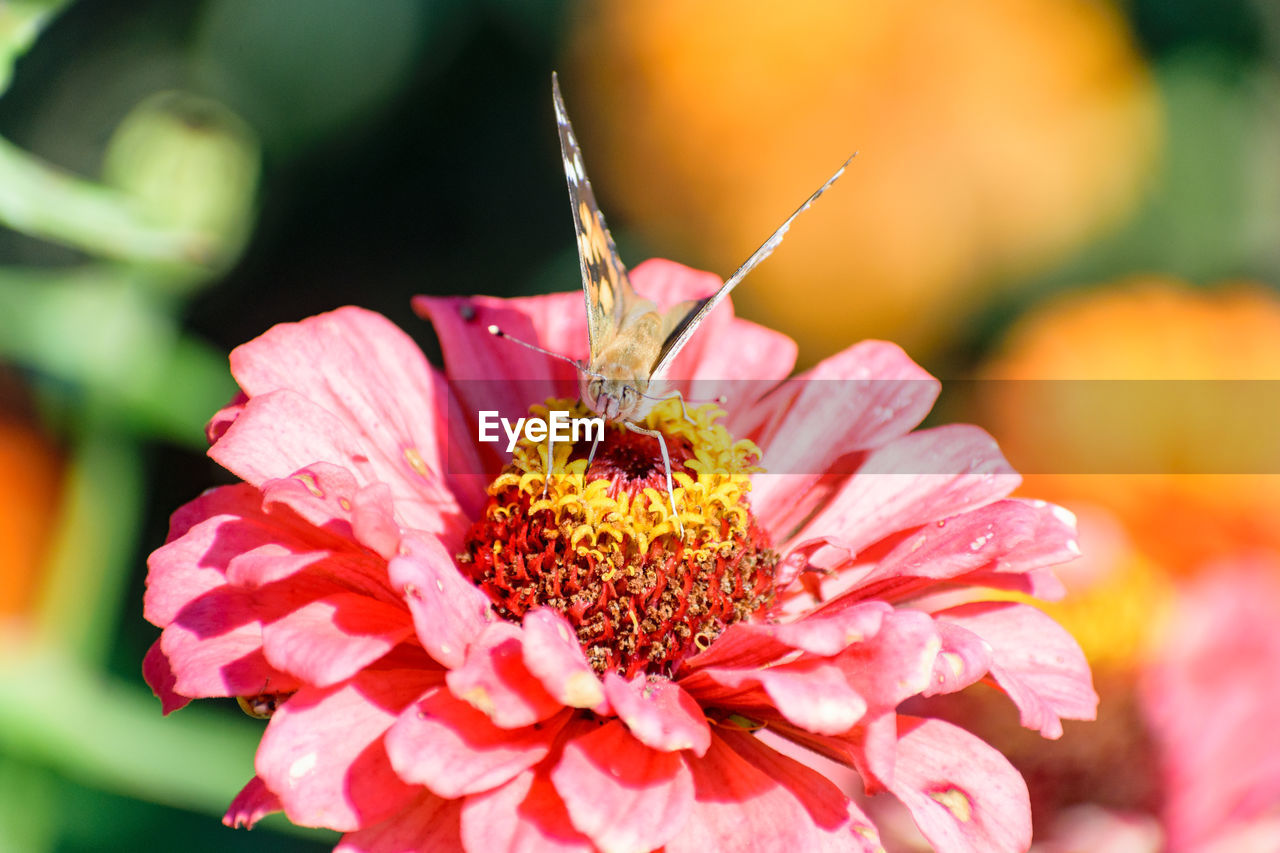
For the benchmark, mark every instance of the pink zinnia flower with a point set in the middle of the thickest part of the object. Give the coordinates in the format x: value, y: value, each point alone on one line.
x: 1212, y: 700
x: 454, y: 661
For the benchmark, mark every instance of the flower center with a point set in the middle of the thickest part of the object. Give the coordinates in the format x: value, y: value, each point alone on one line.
x: 600, y: 543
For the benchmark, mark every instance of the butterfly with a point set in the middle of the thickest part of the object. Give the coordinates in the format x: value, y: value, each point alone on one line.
x: 631, y: 341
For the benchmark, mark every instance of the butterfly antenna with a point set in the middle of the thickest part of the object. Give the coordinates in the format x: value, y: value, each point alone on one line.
x: 498, y: 333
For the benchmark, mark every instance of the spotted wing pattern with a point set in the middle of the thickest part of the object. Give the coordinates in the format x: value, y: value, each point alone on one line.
x: 605, y: 285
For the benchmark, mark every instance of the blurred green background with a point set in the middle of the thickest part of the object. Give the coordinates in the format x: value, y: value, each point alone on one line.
x: 175, y: 178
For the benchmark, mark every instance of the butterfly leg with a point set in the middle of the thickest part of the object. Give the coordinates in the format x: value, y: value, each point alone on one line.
x: 551, y: 463
x: 595, y: 444
x: 666, y: 464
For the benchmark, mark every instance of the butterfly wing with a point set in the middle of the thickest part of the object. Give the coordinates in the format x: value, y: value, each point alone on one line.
x: 684, y: 319
x: 606, y: 288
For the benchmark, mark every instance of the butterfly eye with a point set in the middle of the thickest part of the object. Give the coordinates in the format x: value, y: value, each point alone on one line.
x: 628, y: 396
x: 593, y: 389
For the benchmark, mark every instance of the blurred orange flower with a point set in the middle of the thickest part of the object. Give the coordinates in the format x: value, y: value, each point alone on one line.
x: 32, y: 471
x: 1174, y: 591
x: 994, y: 135
x: 1134, y: 433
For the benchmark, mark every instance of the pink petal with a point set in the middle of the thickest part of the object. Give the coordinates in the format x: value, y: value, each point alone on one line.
x: 333, y: 638
x: 738, y: 806
x: 869, y: 747
x: 856, y: 400
x: 824, y: 802
x: 495, y: 680
x: 751, y: 645
x: 964, y: 659
x: 224, y: 417
x: 489, y: 373
x: 318, y: 494
x: 323, y: 752
x: 829, y: 633
x: 1211, y: 695
x: 723, y: 348
x: 283, y: 431
x: 812, y: 693
x: 449, y: 612
x: 427, y: 823
x: 454, y: 750
x: 373, y: 520
x: 668, y: 282
x: 160, y: 678
x: 1033, y: 660
x: 658, y: 713
x: 223, y: 500
x: 214, y: 647
x: 1005, y: 536
x: 188, y: 565
x: 364, y: 371
x: 896, y: 663
x: 740, y: 362
x: 925, y: 476
x: 554, y: 655
x: 526, y: 815
x: 964, y: 795
x: 737, y: 647
x: 252, y: 804
x: 620, y: 793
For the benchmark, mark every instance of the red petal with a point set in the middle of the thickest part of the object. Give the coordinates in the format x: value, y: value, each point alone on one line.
x: 495, y: 680
x: 658, y: 713
x: 449, y: 612
x: 964, y: 795
x: 554, y: 655
x: 622, y: 794
x: 454, y: 750
x: 323, y: 752
x: 526, y: 815
x: 330, y: 640
x: 1033, y: 660
x: 426, y: 824
x: 252, y: 804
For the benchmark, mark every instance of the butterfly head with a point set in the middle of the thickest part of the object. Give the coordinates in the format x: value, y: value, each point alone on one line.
x: 614, y: 399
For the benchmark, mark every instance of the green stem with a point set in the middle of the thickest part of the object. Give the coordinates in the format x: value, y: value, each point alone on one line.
x: 111, y: 736
x: 20, y: 22
x: 40, y: 200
